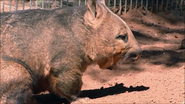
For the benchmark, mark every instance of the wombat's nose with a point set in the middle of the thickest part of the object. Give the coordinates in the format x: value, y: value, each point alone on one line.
x: 135, y: 55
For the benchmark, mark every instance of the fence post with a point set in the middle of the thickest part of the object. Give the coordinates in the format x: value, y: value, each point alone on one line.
x: 167, y: 5
x: 136, y: 3
x: 152, y: 5
x: 36, y: 3
x: 10, y: 5
x: 3, y: 6
x: 146, y: 5
x: 157, y: 6
x: 23, y: 4
x: 67, y: 2
x: 114, y: 6
x: 176, y: 3
x: 30, y: 4
x: 16, y: 5
x: 108, y: 3
x: 125, y: 5
x: 120, y: 6
x: 50, y: 3
x: 85, y: 2
x: 79, y: 2
x: 130, y: 4
x: 171, y: 5
x: 162, y: 3
x: 61, y: 3
x: 181, y: 6
x: 141, y: 4
x: 42, y: 4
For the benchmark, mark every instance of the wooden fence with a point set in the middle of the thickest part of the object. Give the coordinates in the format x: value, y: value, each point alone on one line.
x: 116, y: 5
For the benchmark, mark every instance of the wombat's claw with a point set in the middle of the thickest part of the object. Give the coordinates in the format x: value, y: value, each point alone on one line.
x: 111, y: 67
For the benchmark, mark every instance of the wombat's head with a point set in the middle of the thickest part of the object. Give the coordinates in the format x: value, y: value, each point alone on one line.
x: 112, y: 37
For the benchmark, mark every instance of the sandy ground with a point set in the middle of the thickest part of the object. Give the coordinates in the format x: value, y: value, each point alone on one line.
x: 157, y: 77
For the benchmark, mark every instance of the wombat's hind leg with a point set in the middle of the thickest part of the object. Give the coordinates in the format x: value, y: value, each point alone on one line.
x: 15, y: 86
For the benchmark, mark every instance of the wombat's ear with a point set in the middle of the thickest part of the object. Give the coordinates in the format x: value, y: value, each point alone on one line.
x: 93, y: 16
x: 91, y: 5
x: 94, y: 8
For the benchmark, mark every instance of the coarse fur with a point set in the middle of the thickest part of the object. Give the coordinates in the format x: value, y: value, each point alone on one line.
x: 50, y: 49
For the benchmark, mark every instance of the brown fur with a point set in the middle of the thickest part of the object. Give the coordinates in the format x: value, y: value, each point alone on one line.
x: 50, y: 49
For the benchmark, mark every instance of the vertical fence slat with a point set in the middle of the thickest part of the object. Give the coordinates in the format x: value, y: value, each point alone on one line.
x: 3, y: 6
x: 167, y: 5
x: 157, y: 2
x: 36, y: 3
x: 136, y: 3
x: 141, y: 4
x: 130, y: 4
x: 42, y: 4
x: 85, y: 2
x: 10, y: 5
x: 108, y: 3
x: 16, y: 5
x: 120, y: 6
x: 176, y: 3
x: 171, y: 5
x: 30, y: 4
x: 152, y: 5
x: 67, y: 2
x: 79, y: 2
x: 74, y: 2
x: 50, y: 3
x: 146, y: 5
x: 162, y: 3
x: 125, y: 6
x: 181, y: 6
x: 61, y: 3
x: 23, y: 4
x: 114, y: 6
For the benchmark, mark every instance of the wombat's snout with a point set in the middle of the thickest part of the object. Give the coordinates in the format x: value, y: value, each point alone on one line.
x: 135, y: 55
x: 132, y: 55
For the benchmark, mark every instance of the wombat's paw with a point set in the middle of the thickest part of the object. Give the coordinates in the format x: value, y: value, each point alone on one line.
x: 72, y: 98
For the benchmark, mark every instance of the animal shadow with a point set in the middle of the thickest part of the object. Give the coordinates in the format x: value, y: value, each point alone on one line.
x: 117, y: 89
x: 92, y: 94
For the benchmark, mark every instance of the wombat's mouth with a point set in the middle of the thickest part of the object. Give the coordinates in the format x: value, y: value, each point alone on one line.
x: 124, y: 60
x: 120, y: 60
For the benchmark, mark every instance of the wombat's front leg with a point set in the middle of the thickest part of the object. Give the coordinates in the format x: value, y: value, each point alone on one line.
x: 66, y: 83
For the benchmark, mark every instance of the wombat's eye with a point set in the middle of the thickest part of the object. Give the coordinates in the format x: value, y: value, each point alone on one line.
x: 123, y: 37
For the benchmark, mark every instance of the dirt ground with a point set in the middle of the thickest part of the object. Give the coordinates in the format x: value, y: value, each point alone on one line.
x: 157, y: 77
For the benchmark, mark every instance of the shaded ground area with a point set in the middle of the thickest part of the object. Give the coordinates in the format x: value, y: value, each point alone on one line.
x: 92, y: 94
x: 158, y: 77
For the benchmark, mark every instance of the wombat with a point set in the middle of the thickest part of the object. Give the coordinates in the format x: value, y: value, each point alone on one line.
x: 50, y: 49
